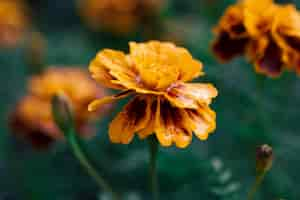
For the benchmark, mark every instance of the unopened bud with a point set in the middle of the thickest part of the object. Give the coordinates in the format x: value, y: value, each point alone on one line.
x: 264, y: 158
x: 62, y: 112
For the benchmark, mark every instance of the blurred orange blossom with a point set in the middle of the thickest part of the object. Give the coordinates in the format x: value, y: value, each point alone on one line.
x: 118, y: 16
x: 267, y: 33
x: 14, y: 22
x: 33, y: 116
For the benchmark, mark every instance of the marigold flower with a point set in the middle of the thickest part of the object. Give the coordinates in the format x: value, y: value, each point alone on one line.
x: 13, y: 22
x: 119, y: 16
x: 259, y: 29
x: 33, y: 115
x: 164, y: 104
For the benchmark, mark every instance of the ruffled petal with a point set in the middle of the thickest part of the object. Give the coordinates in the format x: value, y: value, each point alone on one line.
x: 110, y: 65
x: 101, y: 75
x: 256, y: 47
x: 133, y: 118
x: 190, y: 95
x: 232, y: 22
x: 182, y: 138
x: 170, y: 126
x: 189, y: 67
x: 286, y: 28
x: 96, y: 104
x: 202, y: 121
x: 292, y: 60
x: 286, y: 32
x: 159, y: 64
x: 258, y: 16
x: 156, y: 63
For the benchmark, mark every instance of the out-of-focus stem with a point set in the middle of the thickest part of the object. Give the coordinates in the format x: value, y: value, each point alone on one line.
x: 258, y: 180
x: 82, y: 157
x: 153, y: 149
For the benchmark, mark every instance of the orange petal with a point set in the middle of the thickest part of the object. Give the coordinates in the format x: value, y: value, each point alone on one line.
x: 286, y: 33
x: 164, y: 137
x: 170, y: 126
x: 160, y: 64
x: 111, y: 65
x: 232, y: 22
x: 189, y: 67
x: 101, y: 75
x: 258, y: 16
x: 156, y: 63
x: 182, y: 139
x: 286, y: 27
x: 202, y: 121
x: 189, y: 95
x: 96, y: 104
x: 270, y: 63
x: 256, y: 47
x: 113, y: 60
x: 133, y: 118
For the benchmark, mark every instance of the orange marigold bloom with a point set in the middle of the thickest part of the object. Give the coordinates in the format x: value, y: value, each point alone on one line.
x: 13, y: 22
x: 257, y: 28
x: 33, y: 114
x: 164, y: 104
x: 119, y: 16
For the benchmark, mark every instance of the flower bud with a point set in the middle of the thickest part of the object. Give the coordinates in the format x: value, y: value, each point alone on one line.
x: 62, y: 112
x: 264, y: 158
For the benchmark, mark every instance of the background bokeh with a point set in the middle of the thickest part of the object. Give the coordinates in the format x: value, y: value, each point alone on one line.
x: 251, y: 110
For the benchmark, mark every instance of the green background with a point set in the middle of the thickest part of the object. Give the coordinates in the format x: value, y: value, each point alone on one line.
x: 251, y: 110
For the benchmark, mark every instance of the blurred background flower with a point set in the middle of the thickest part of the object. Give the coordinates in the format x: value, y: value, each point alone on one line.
x: 119, y: 16
x: 256, y: 29
x: 14, y: 22
x: 32, y: 117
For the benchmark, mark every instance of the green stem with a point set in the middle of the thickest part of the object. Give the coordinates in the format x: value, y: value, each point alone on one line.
x: 258, y: 180
x: 153, y: 149
x: 85, y: 162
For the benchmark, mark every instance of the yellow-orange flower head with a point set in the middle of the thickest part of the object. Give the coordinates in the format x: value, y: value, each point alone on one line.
x: 13, y: 22
x: 164, y: 104
x: 119, y: 16
x: 266, y: 32
x: 33, y: 117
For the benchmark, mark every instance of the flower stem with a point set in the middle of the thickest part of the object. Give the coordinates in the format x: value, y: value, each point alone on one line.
x: 153, y: 149
x: 82, y: 157
x: 258, y: 180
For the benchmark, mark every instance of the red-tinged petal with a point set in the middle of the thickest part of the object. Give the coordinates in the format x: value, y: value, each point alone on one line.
x: 270, y: 63
x: 189, y: 95
x: 133, y: 118
x: 150, y: 127
x: 202, y: 121
x: 170, y: 126
x: 226, y: 48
